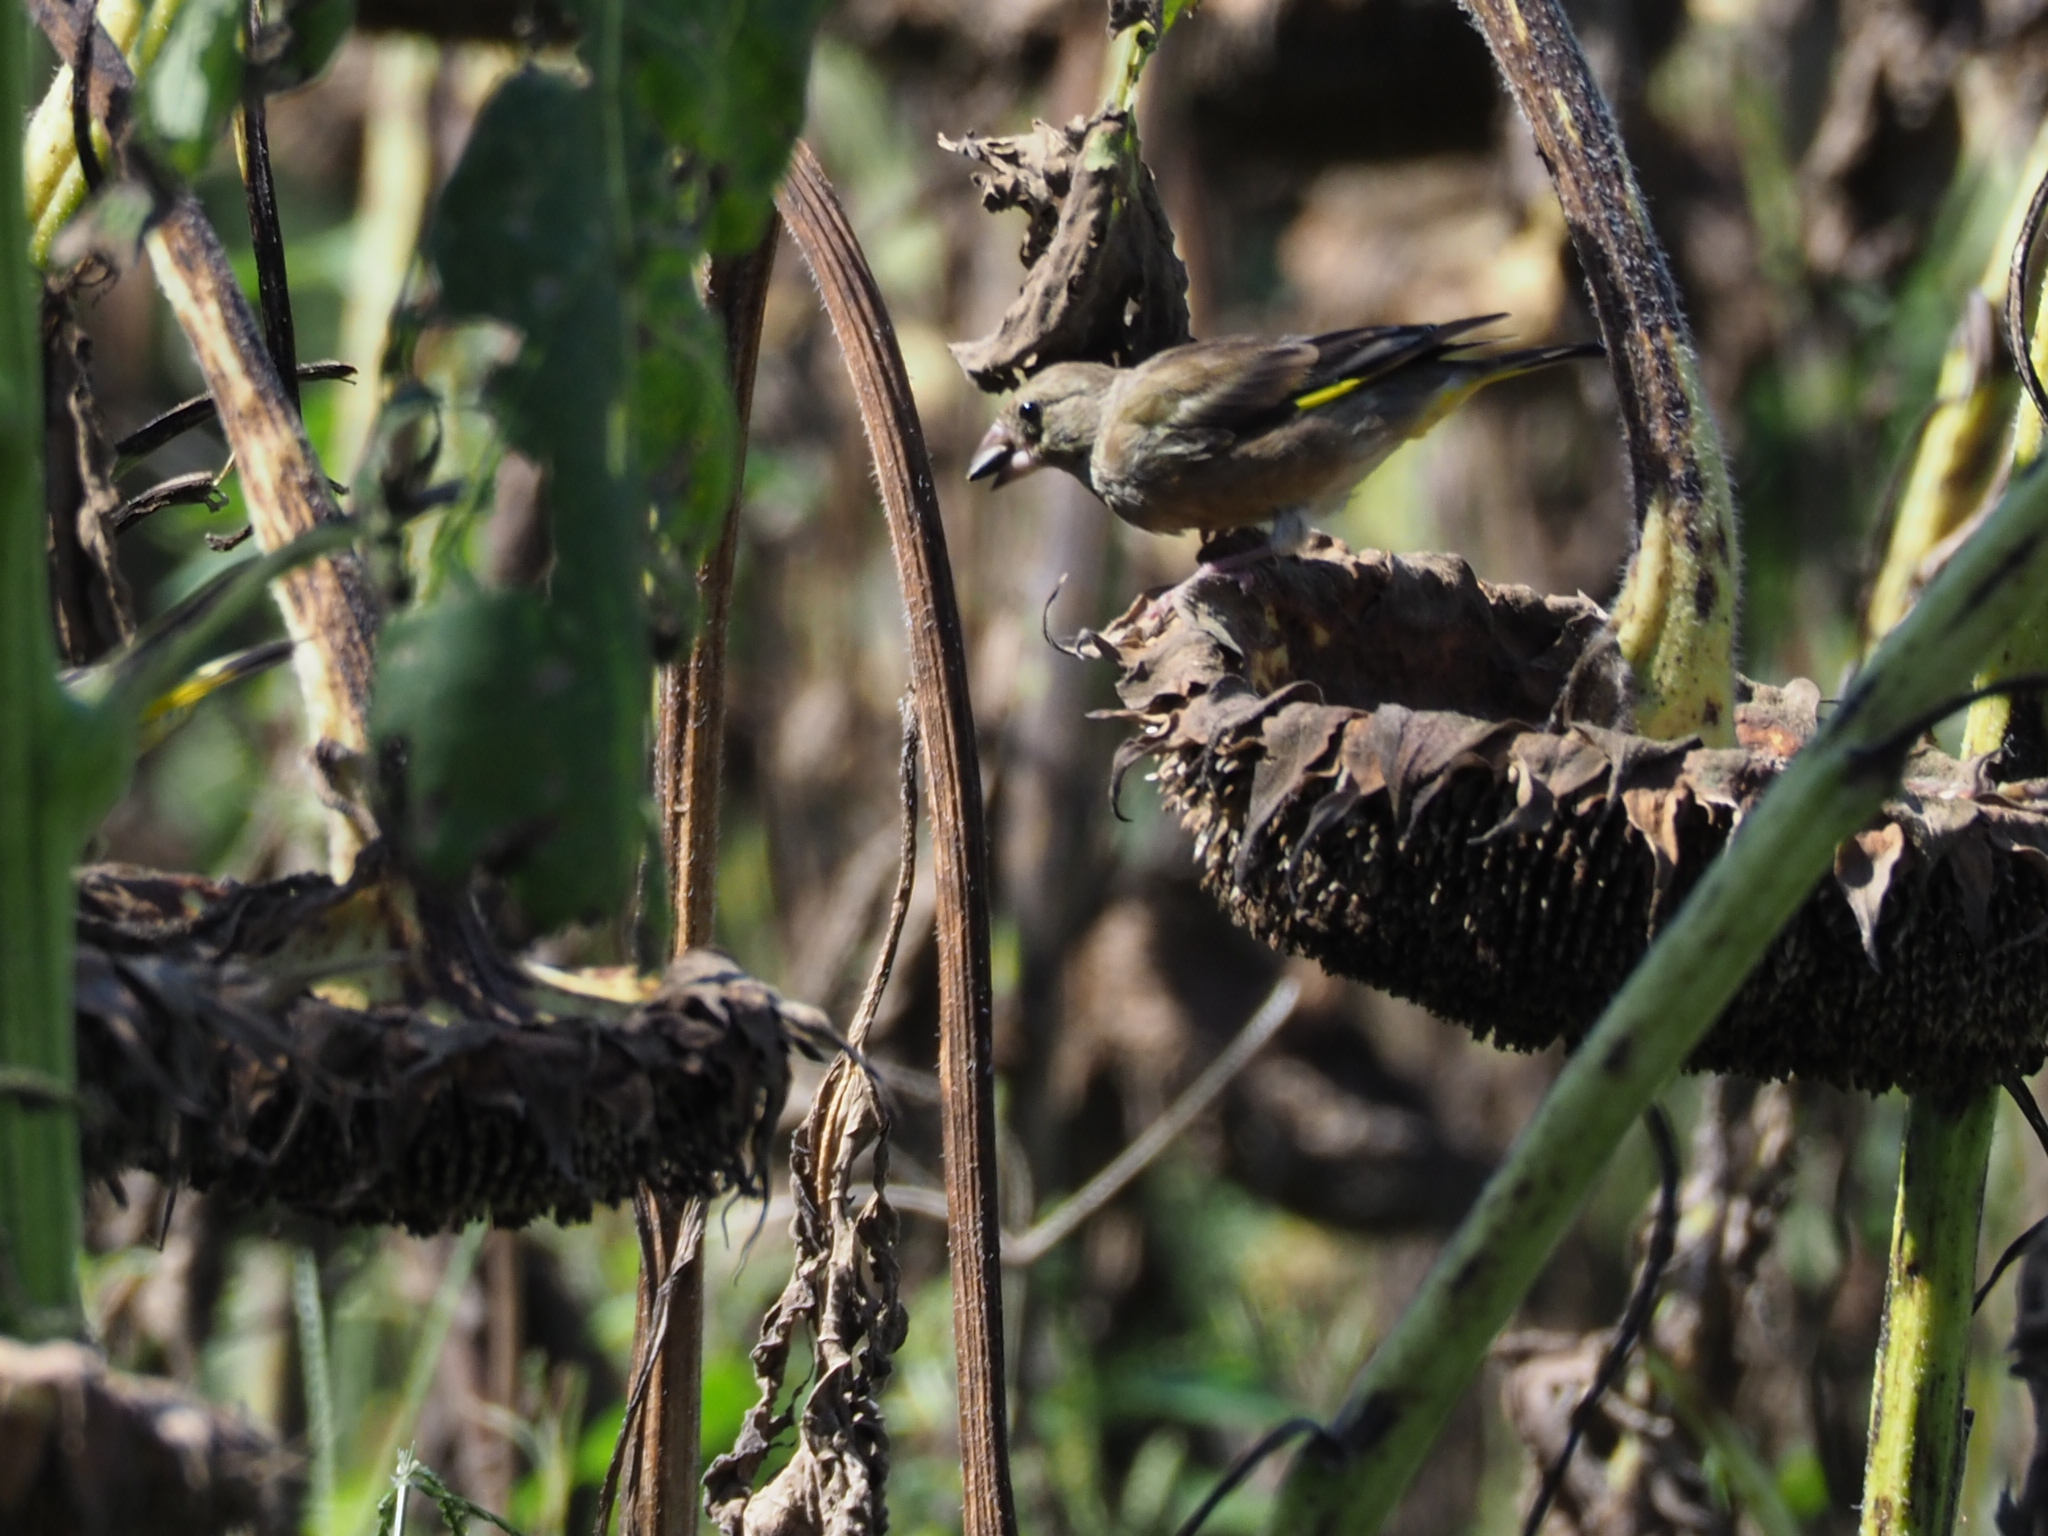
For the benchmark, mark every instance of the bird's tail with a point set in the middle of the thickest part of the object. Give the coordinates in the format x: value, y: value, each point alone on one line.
x: 1508, y: 365
x: 1468, y: 369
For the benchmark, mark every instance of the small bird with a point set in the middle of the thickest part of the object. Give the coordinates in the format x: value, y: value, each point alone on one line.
x: 1217, y: 435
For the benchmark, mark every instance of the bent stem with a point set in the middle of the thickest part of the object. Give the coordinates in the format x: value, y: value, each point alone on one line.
x: 1351, y: 1481
x: 1674, y: 619
x: 938, y: 679
x: 1915, y: 1464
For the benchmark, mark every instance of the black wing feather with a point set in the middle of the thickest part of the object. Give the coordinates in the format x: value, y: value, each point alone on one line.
x: 1368, y: 351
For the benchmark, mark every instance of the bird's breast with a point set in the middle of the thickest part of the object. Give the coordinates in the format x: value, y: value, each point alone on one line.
x: 1170, y: 482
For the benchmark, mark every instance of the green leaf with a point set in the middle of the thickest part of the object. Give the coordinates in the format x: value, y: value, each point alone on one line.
x: 513, y: 722
x: 514, y: 756
x: 307, y: 36
x: 723, y: 81
x: 578, y: 218
x: 710, y: 99
x: 131, y: 681
x: 312, y: 35
x: 188, y: 95
x: 687, y: 429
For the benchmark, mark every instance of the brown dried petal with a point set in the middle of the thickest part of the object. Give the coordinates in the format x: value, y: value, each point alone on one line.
x: 1864, y: 866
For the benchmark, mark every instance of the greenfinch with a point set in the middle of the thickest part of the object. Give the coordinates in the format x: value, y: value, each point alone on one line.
x: 1218, y: 435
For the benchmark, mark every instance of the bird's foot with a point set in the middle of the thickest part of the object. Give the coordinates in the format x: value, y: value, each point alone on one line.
x: 1236, y: 551
x: 1240, y: 549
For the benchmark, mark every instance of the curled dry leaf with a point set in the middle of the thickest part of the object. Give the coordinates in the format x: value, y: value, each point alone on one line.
x: 1104, y: 284
x: 1414, y: 778
x: 207, y: 1055
x: 85, y: 1450
x: 843, y: 1290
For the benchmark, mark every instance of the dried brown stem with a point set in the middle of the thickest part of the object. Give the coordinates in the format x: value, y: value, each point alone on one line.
x: 938, y: 673
x: 329, y: 606
x: 692, y: 726
x: 690, y: 743
x: 906, y: 882
x: 88, y: 597
x: 196, y: 412
x: 842, y: 1290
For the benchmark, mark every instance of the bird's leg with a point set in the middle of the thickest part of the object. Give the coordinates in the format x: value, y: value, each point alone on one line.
x: 1239, y: 549
x: 1235, y: 550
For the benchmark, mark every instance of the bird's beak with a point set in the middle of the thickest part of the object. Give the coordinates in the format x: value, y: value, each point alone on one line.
x: 1000, y: 459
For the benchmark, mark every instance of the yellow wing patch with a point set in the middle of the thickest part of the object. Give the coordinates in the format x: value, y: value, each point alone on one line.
x: 1326, y: 394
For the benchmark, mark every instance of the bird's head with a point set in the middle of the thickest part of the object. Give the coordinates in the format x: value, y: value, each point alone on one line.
x: 1052, y: 420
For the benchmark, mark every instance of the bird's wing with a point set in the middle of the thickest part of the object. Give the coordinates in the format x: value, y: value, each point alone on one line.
x: 1228, y: 385
x: 1347, y: 359
x: 1243, y: 386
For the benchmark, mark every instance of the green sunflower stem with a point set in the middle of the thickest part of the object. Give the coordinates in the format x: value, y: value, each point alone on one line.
x: 39, y: 1175
x: 1915, y: 1466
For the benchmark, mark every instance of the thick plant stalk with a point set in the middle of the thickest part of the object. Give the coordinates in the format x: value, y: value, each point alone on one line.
x: 41, y: 823
x: 1915, y: 1466
x: 689, y: 746
x: 1674, y: 620
x: 1351, y: 1481
x: 938, y: 679
x: 329, y: 607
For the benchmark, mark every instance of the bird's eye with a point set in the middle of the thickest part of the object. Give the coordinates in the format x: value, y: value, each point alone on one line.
x: 1032, y: 415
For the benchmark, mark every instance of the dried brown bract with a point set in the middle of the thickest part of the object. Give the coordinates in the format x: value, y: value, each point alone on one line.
x: 1104, y: 283
x: 1388, y: 766
x: 208, y: 1054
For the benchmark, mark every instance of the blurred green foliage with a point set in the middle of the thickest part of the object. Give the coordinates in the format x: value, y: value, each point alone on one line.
x: 511, y: 722
x: 186, y: 99
x: 520, y: 712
